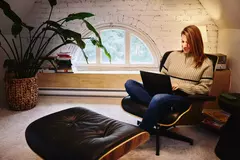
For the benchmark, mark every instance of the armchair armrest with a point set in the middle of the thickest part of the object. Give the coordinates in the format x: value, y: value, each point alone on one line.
x: 196, y: 97
x: 201, y: 97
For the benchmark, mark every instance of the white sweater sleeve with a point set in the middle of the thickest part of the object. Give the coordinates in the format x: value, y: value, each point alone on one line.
x: 204, y: 85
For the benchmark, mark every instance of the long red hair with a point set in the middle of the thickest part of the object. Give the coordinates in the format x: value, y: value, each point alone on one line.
x: 194, y: 39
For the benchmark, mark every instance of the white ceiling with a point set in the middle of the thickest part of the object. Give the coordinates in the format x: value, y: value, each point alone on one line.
x: 225, y: 13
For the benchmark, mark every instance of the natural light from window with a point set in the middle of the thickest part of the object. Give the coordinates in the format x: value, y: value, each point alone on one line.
x: 139, y: 52
x: 114, y: 41
x: 126, y: 48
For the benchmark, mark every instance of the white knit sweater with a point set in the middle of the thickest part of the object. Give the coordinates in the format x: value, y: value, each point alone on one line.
x: 181, y: 68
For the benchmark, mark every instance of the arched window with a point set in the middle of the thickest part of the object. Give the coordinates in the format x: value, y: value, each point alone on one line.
x: 127, y: 48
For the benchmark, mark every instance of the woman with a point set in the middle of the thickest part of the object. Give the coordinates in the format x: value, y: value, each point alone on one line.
x: 191, y: 72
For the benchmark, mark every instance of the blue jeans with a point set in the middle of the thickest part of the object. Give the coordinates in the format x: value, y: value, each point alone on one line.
x: 158, y: 105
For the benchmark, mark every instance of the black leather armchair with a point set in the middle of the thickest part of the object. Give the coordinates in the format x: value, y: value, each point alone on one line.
x: 171, y: 119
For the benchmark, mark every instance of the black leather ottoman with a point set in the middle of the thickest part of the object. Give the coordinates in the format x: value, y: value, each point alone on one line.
x: 80, y: 134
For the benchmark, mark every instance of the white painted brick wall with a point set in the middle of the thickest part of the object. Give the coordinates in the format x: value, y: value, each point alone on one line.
x: 161, y: 20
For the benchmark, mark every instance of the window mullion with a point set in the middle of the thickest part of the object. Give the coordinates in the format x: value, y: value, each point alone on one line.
x: 127, y: 48
x: 98, y: 56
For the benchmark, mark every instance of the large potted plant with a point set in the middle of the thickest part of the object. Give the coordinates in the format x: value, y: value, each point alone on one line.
x: 23, y: 63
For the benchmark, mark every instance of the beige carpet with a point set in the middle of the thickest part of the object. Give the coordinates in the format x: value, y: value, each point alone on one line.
x: 13, y: 124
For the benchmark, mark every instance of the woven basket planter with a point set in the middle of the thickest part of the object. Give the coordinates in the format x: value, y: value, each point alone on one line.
x: 21, y: 94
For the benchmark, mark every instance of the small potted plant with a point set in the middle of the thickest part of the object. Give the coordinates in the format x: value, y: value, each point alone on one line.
x: 23, y: 63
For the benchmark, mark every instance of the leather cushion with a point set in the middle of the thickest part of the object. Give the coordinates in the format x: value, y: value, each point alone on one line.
x: 138, y: 109
x: 77, y: 133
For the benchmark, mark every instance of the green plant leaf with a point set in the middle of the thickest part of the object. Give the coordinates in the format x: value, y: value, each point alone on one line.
x: 107, y: 53
x: 85, y: 56
x: 56, y: 27
x: 53, y: 23
x: 9, y: 63
x: 52, y: 2
x: 76, y: 36
x: 67, y: 34
x: 91, y: 28
x: 16, y: 29
x: 80, y: 15
x: 100, y: 45
x: 31, y: 56
x: 98, y: 42
x: 12, y: 15
x: 58, y: 32
x: 9, y: 13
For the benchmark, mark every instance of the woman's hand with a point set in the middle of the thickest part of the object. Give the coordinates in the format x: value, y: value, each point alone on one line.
x: 174, y: 86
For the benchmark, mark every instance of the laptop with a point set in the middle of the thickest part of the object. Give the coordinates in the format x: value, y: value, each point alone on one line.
x: 156, y: 83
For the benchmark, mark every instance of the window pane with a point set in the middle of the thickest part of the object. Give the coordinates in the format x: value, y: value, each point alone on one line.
x: 90, y: 51
x: 139, y: 52
x: 114, y: 41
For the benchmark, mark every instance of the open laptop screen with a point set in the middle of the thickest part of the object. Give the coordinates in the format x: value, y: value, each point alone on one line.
x: 156, y: 83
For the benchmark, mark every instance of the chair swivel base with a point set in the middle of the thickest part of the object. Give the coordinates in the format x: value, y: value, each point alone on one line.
x: 176, y: 136
x: 164, y: 131
x: 170, y: 134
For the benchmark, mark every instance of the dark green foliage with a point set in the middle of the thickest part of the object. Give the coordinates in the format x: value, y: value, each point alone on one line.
x: 79, y: 16
x: 52, y: 2
x: 25, y: 63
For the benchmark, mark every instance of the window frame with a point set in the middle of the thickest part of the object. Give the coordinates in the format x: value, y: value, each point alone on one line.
x: 127, y: 66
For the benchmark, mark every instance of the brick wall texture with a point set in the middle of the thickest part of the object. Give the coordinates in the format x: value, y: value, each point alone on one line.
x: 161, y: 21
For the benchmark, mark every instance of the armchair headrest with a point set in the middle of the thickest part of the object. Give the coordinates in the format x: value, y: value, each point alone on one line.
x: 163, y: 60
x: 213, y: 58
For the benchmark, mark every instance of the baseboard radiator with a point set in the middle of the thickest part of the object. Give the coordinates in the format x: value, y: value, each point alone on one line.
x: 82, y: 92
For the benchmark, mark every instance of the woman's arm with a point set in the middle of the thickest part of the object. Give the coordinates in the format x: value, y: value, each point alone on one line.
x: 204, y: 85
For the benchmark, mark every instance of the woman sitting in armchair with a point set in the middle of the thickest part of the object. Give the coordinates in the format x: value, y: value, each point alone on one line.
x: 191, y: 72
